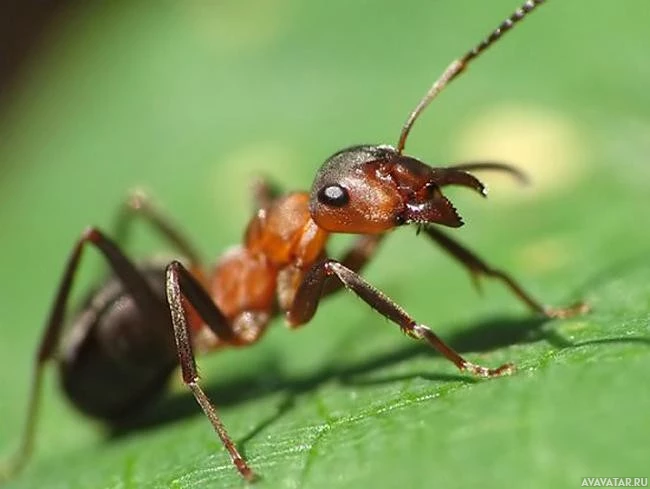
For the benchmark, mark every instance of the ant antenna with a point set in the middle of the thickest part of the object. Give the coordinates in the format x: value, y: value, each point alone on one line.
x: 459, y: 65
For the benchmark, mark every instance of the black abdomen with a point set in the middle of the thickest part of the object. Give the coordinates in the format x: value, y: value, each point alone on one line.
x: 117, y: 357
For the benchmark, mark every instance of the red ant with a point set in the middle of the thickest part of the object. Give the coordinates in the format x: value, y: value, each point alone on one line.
x: 124, y: 344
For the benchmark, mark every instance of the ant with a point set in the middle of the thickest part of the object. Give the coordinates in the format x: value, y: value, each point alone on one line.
x: 135, y: 330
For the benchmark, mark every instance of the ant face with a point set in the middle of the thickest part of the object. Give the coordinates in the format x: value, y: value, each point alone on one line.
x: 371, y: 189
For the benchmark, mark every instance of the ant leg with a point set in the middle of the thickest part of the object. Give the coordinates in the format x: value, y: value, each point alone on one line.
x: 264, y: 192
x: 361, y: 252
x: 134, y: 283
x: 179, y: 278
x: 139, y: 204
x: 478, y: 267
x: 356, y: 258
x: 309, y: 294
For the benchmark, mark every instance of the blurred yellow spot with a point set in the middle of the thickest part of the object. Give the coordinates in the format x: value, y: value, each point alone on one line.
x: 544, y: 144
x: 544, y: 256
x: 234, y: 25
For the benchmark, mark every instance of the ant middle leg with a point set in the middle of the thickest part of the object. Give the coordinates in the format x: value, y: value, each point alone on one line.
x: 183, y: 289
x: 477, y: 268
x: 310, y: 291
x: 138, y: 203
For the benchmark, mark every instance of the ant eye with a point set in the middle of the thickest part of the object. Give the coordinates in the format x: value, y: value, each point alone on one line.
x: 333, y: 195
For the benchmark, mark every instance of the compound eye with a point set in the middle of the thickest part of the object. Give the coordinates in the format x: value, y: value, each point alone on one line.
x: 333, y: 195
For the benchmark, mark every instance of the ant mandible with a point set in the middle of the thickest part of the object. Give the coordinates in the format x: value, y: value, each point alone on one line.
x: 124, y: 343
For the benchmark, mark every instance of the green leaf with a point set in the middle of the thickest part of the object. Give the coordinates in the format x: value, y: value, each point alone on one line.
x: 192, y: 100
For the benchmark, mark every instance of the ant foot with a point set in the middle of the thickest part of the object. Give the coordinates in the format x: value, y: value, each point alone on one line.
x: 479, y: 371
x: 567, y: 312
x: 137, y: 199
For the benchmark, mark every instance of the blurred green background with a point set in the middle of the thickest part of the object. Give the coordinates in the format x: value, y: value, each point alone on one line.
x: 191, y: 100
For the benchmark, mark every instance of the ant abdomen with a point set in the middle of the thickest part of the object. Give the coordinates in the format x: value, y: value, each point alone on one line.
x: 116, y: 358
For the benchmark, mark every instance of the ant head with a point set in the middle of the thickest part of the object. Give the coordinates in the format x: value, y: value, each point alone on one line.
x: 371, y: 189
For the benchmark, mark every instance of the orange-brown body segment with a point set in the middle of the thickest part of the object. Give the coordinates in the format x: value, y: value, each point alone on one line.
x: 255, y: 279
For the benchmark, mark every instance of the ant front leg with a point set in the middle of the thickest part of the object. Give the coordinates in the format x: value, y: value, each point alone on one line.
x: 182, y: 287
x: 310, y: 292
x: 478, y: 267
x: 133, y: 281
x: 356, y: 258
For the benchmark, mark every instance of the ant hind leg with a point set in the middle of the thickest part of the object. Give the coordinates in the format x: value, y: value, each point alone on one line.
x: 50, y: 339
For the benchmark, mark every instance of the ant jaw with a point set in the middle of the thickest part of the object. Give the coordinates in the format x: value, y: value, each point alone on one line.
x: 438, y: 210
x: 420, y: 188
